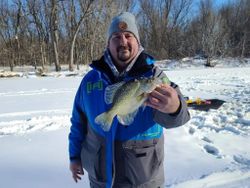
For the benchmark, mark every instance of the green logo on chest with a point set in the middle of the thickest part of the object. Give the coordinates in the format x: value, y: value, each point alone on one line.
x: 94, y: 86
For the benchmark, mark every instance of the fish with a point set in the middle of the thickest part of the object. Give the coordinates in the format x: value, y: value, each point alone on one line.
x: 126, y: 98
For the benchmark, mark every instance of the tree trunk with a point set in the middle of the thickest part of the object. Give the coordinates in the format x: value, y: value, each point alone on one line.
x: 243, y: 45
x: 12, y: 61
x: 55, y: 50
x: 42, y: 54
x: 54, y: 33
x: 71, y: 62
x: 208, y: 62
x: 86, y: 11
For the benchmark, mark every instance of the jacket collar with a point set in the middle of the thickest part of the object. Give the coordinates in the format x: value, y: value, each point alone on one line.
x: 109, y: 61
x: 138, y: 67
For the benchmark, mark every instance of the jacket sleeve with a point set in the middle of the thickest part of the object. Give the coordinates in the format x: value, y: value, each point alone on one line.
x: 78, y: 126
x: 178, y: 118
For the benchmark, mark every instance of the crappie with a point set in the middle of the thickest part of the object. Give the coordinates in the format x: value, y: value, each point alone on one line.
x: 126, y: 98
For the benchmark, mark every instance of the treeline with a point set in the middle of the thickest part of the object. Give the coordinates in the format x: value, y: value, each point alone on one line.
x: 73, y: 32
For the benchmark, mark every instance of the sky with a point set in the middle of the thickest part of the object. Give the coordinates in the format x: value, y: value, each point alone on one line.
x: 217, y: 3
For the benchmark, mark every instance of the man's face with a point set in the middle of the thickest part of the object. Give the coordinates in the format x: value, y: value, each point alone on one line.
x: 123, y: 47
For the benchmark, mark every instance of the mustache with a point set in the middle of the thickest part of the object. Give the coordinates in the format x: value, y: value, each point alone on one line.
x: 123, y: 48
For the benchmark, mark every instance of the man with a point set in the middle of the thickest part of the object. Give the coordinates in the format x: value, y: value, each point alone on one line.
x: 123, y: 157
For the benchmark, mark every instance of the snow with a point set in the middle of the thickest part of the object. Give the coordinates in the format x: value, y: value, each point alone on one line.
x: 211, y: 150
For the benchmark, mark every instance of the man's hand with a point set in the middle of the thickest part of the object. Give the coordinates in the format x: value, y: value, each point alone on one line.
x: 76, y: 169
x: 164, y: 98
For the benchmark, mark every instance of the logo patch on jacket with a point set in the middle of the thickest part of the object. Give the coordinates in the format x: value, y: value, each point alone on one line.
x: 94, y: 86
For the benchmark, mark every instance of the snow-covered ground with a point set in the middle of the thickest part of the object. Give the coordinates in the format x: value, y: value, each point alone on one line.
x: 211, y: 150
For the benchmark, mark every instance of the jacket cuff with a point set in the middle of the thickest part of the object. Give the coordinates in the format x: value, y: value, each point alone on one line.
x: 177, y: 111
x: 180, y: 117
x: 74, y: 159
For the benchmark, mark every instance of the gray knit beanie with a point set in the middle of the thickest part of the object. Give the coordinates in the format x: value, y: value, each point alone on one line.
x: 123, y: 22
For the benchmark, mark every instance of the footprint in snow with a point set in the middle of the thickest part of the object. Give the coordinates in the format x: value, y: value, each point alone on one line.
x: 191, y: 130
x: 206, y: 139
x: 212, y: 150
x: 240, y: 159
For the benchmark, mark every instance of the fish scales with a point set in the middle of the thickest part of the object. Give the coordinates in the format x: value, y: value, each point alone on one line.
x: 126, y: 99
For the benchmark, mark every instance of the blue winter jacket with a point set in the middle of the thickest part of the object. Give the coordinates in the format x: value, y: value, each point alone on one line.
x: 128, y: 156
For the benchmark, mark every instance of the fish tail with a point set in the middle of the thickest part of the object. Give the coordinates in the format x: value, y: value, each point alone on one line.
x: 104, y: 120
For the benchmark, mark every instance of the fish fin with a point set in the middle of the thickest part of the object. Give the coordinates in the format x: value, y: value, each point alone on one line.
x: 128, y: 118
x: 165, y: 80
x: 104, y: 120
x: 110, y: 92
x: 142, y: 97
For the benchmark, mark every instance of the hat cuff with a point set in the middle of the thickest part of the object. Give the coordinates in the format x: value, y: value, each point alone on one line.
x: 124, y: 22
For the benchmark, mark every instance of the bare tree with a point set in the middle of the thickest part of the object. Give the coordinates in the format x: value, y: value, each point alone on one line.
x: 54, y: 32
x: 161, y: 25
x: 86, y: 10
x: 7, y: 20
x: 36, y: 8
x: 73, y: 32
x: 209, y: 27
x: 243, y: 26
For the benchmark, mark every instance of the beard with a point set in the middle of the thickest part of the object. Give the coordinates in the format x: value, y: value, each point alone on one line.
x: 124, y: 53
